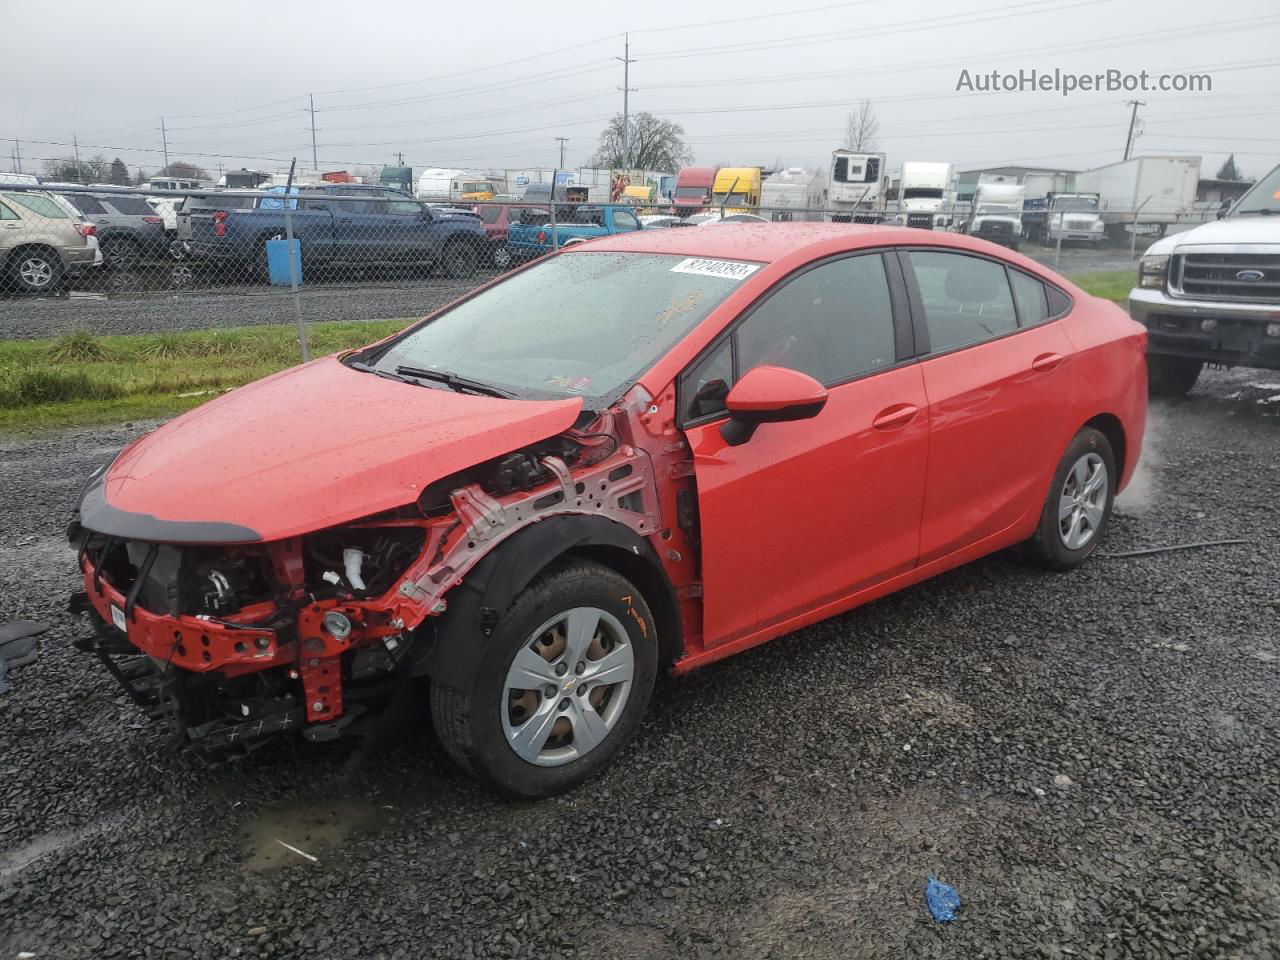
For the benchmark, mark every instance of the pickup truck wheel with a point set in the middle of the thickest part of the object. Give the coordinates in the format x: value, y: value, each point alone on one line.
x: 460, y: 260
x: 501, y: 256
x: 36, y: 270
x: 120, y: 253
x: 563, y: 684
x: 1171, y: 376
x: 1078, y: 508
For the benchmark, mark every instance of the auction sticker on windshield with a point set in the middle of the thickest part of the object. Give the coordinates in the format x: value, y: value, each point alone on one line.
x: 729, y: 269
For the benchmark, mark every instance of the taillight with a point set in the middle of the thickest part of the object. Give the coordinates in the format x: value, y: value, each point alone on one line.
x: 153, y: 219
x: 219, y: 223
x: 86, y: 229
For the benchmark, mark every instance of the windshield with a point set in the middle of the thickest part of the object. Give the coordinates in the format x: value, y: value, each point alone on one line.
x: 580, y: 324
x: 741, y: 198
x: 1075, y: 203
x: 481, y: 187
x: 692, y: 192
x: 922, y: 193
x: 994, y: 208
x: 1265, y: 195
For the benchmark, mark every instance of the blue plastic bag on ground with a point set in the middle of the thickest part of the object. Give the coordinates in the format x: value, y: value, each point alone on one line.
x: 942, y: 899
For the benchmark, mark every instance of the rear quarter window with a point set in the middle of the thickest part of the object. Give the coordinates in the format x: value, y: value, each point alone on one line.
x: 38, y: 204
x: 131, y: 206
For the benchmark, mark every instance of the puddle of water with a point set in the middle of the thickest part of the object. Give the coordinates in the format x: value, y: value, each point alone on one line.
x: 314, y: 830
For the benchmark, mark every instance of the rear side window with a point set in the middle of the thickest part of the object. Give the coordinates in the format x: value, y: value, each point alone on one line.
x: 38, y: 204
x: 131, y: 206
x: 625, y: 220
x: 85, y: 204
x: 966, y: 299
x: 7, y: 214
x: 1029, y: 295
x: 490, y: 214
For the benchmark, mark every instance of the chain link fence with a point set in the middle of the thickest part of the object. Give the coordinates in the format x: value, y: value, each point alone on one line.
x: 115, y: 242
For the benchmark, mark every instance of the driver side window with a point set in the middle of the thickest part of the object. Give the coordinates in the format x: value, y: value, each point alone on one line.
x: 833, y: 322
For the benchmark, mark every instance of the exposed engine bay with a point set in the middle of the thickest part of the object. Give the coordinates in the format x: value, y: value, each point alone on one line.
x: 230, y: 644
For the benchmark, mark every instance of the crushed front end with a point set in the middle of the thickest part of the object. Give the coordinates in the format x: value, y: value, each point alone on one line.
x: 230, y: 643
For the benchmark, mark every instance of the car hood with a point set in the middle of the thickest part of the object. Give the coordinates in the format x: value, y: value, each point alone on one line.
x: 309, y: 448
x: 1232, y: 230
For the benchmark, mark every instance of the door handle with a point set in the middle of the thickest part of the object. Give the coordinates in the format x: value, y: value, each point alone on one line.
x: 1047, y: 361
x: 898, y: 415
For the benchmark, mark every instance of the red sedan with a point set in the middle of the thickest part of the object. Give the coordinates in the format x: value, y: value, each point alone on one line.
x: 650, y: 452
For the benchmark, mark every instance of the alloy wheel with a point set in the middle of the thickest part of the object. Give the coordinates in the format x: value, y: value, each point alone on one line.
x: 36, y: 273
x: 567, y: 686
x: 1082, y: 502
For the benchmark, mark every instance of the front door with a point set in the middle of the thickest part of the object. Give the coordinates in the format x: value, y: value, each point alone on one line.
x: 807, y: 513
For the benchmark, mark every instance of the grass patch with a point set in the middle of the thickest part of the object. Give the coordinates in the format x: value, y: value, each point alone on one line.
x: 82, y: 378
x: 1109, y: 284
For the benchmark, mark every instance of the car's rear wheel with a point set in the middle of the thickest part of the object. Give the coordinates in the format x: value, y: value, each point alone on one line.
x: 36, y: 270
x: 460, y: 260
x: 501, y: 256
x: 562, y: 685
x: 1171, y: 376
x: 1078, y: 509
x: 120, y: 253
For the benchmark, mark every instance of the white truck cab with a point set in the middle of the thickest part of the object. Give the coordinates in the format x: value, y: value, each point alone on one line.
x: 1212, y: 294
x: 996, y: 212
x: 926, y: 195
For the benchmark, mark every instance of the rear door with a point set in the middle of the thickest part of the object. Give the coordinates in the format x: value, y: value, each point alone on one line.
x: 360, y: 226
x: 807, y: 513
x: 999, y: 376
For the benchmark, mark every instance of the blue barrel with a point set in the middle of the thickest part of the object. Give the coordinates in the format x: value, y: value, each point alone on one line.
x: 278, y: 252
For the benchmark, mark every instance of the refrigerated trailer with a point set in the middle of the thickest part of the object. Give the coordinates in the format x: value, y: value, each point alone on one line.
x: 1144, y: 191
x: 855, y: 186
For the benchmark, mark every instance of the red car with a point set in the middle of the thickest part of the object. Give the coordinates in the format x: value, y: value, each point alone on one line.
x: 648, y: 453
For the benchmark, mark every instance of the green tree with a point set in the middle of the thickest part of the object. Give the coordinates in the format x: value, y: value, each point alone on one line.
x: 1229, y: 171
x: 119, y: 173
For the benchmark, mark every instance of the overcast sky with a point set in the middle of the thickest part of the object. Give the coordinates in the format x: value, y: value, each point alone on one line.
x: 491, y: 85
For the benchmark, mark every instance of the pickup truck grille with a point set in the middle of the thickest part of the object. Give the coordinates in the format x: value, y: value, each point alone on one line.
x: 1252, y: 277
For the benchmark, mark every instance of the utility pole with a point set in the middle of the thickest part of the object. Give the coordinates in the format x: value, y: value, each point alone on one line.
x: 627, y: 90
x: 164, y: 141
x: 1133, y: 122
x: 315, y: 164
x: 400, y: 159
x: 562, y: 141
x: 17, y: 155
x: 76, y: 144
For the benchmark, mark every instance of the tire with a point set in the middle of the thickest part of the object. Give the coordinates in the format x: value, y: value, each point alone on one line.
x: 460, y: 260
x: 120, y: 253
x: 36, y: 270
x: 559, y: 708
x: 502, y: 258
x: 1171, y: 376
x: 1067, y: 534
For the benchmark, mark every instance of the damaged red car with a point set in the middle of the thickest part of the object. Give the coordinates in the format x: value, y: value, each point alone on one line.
x: 643, y: 454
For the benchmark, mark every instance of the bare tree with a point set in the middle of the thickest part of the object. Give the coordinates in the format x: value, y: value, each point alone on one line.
x: 862, y: 129
x: 181, y: 168
x: 656, y: 144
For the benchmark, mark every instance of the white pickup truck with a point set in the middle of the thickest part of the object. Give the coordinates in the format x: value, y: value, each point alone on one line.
x: 1212, y: 294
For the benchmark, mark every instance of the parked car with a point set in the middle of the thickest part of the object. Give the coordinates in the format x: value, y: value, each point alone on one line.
x: 497, y: 217
x: 129, y: 230
x: 209, y: 203
x: 644, y: 453
x: 711, y: 219
x: 533, y: 236
x: 342, y: 223
x: 41, y: 242
x: 1212, y: 294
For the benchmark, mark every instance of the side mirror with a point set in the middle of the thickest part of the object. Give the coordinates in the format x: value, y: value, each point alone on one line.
x: 770, y: 395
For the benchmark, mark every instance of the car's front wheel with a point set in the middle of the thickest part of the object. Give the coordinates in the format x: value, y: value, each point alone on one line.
x: 1078, y: 508
x: 1171, y: 376
x: 460, y: 259
x: 562, y: 686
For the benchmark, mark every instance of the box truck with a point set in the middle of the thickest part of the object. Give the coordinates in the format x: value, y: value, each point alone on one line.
x: 1144, y: 191
x: 792, y: 194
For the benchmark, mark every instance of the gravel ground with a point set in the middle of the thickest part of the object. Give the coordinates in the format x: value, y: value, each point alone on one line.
x: 1091, y: 759
x: 157, y: 310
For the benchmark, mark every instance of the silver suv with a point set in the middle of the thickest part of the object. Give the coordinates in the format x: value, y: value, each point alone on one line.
x: 129, y: 229
x: 41, y: 243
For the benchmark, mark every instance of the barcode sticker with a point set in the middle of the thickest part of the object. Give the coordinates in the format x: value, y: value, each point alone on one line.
x: 727, y: 269
x: 117, y: 617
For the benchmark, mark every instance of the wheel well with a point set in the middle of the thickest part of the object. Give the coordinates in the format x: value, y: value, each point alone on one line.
x: 1109, y: 426
x: 12, y: 255
x: 653, y: 585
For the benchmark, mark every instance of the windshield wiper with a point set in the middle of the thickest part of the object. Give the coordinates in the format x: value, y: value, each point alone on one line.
x: 453, y: 381
x: 1261, y: 211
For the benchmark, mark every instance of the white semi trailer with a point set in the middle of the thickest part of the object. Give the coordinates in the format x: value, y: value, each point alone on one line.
x: 855, y: 186
x: 1146, y: 191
